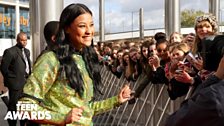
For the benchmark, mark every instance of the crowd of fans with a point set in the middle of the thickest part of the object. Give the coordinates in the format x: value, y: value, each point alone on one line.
x: 175, y: 60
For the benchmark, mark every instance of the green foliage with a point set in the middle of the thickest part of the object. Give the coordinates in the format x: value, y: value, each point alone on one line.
x: 188, y: 17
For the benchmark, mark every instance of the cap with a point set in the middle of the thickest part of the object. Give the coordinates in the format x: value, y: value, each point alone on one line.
x: 207, y: 17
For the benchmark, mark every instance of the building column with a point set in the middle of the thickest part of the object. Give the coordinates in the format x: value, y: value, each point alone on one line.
x: 172, y: 16
x: 42, y: 11
x: 141, y: 24
x: 214, y: 6
x: 101, y: 21
x: 17, y: 23
x: 176, y: 16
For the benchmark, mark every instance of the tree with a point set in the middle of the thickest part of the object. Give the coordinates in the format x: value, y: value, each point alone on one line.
x: 188, y: 17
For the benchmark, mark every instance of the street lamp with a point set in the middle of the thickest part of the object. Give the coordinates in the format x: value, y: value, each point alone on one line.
x: 132, y: 23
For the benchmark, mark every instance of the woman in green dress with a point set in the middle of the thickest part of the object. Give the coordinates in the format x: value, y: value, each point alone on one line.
x: 65, y: 82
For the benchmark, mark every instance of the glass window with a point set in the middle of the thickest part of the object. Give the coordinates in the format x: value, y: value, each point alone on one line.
x: 7, y: 21
x: 27, y: 1
x: 9, y: 0
x: 25, y: 21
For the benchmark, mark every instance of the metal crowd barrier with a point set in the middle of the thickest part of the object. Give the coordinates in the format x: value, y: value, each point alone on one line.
x: 151, y: 109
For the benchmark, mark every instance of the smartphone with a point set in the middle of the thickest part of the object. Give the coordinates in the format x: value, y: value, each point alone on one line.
x: 151, y: 54
x: 191, y: 58
x: 178, y: 71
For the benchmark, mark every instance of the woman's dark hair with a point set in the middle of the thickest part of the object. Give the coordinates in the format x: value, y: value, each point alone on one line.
x: 162, y: 41
x: 68, y: 66
x: 125, y: 53
x: 50, y: 29
x: 146, y: 45
x: 159, y: 35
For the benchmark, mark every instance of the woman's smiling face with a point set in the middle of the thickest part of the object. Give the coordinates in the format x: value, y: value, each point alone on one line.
x: 204, y: 29
x: 81, y: 31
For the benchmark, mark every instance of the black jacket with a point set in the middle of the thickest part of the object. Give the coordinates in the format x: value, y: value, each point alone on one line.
x: 13, y: 67
x: 204, y: 108
x: 212, y: 50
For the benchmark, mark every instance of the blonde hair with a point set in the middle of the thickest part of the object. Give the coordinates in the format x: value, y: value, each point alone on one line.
x: 180, y: 46
x: 177, y: 33
x: 202, y: 21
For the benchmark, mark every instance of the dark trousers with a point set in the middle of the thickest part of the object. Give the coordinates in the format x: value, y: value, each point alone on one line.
x: 14, y: 96
x: 5, y: 100
x: 30, y: 123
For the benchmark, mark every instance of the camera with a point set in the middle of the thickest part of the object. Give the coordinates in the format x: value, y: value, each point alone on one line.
x: 106, y: 58
x: 188, y: 64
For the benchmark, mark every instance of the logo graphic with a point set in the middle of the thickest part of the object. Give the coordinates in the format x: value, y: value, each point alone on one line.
x: 27, y: 111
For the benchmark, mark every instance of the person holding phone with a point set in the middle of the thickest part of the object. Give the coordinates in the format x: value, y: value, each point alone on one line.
x: 205, y: 107
x: 205, y: 26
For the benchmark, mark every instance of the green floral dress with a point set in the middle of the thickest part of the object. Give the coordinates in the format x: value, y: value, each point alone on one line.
x: 58, y: 98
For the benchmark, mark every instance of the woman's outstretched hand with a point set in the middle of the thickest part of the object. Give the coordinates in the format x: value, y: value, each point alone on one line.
x: 125, y: 94
x: 74, y: 115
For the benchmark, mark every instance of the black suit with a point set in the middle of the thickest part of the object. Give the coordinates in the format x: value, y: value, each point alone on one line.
x: 204, y: 108
x: 13, y: 70
x: 13, y: 67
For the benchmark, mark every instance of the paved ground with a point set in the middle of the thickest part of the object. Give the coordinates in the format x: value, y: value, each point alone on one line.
x: 3, y: 108
x: 3, y: 111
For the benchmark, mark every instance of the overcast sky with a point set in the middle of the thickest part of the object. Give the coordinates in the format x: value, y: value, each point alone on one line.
x: 122, y: 15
